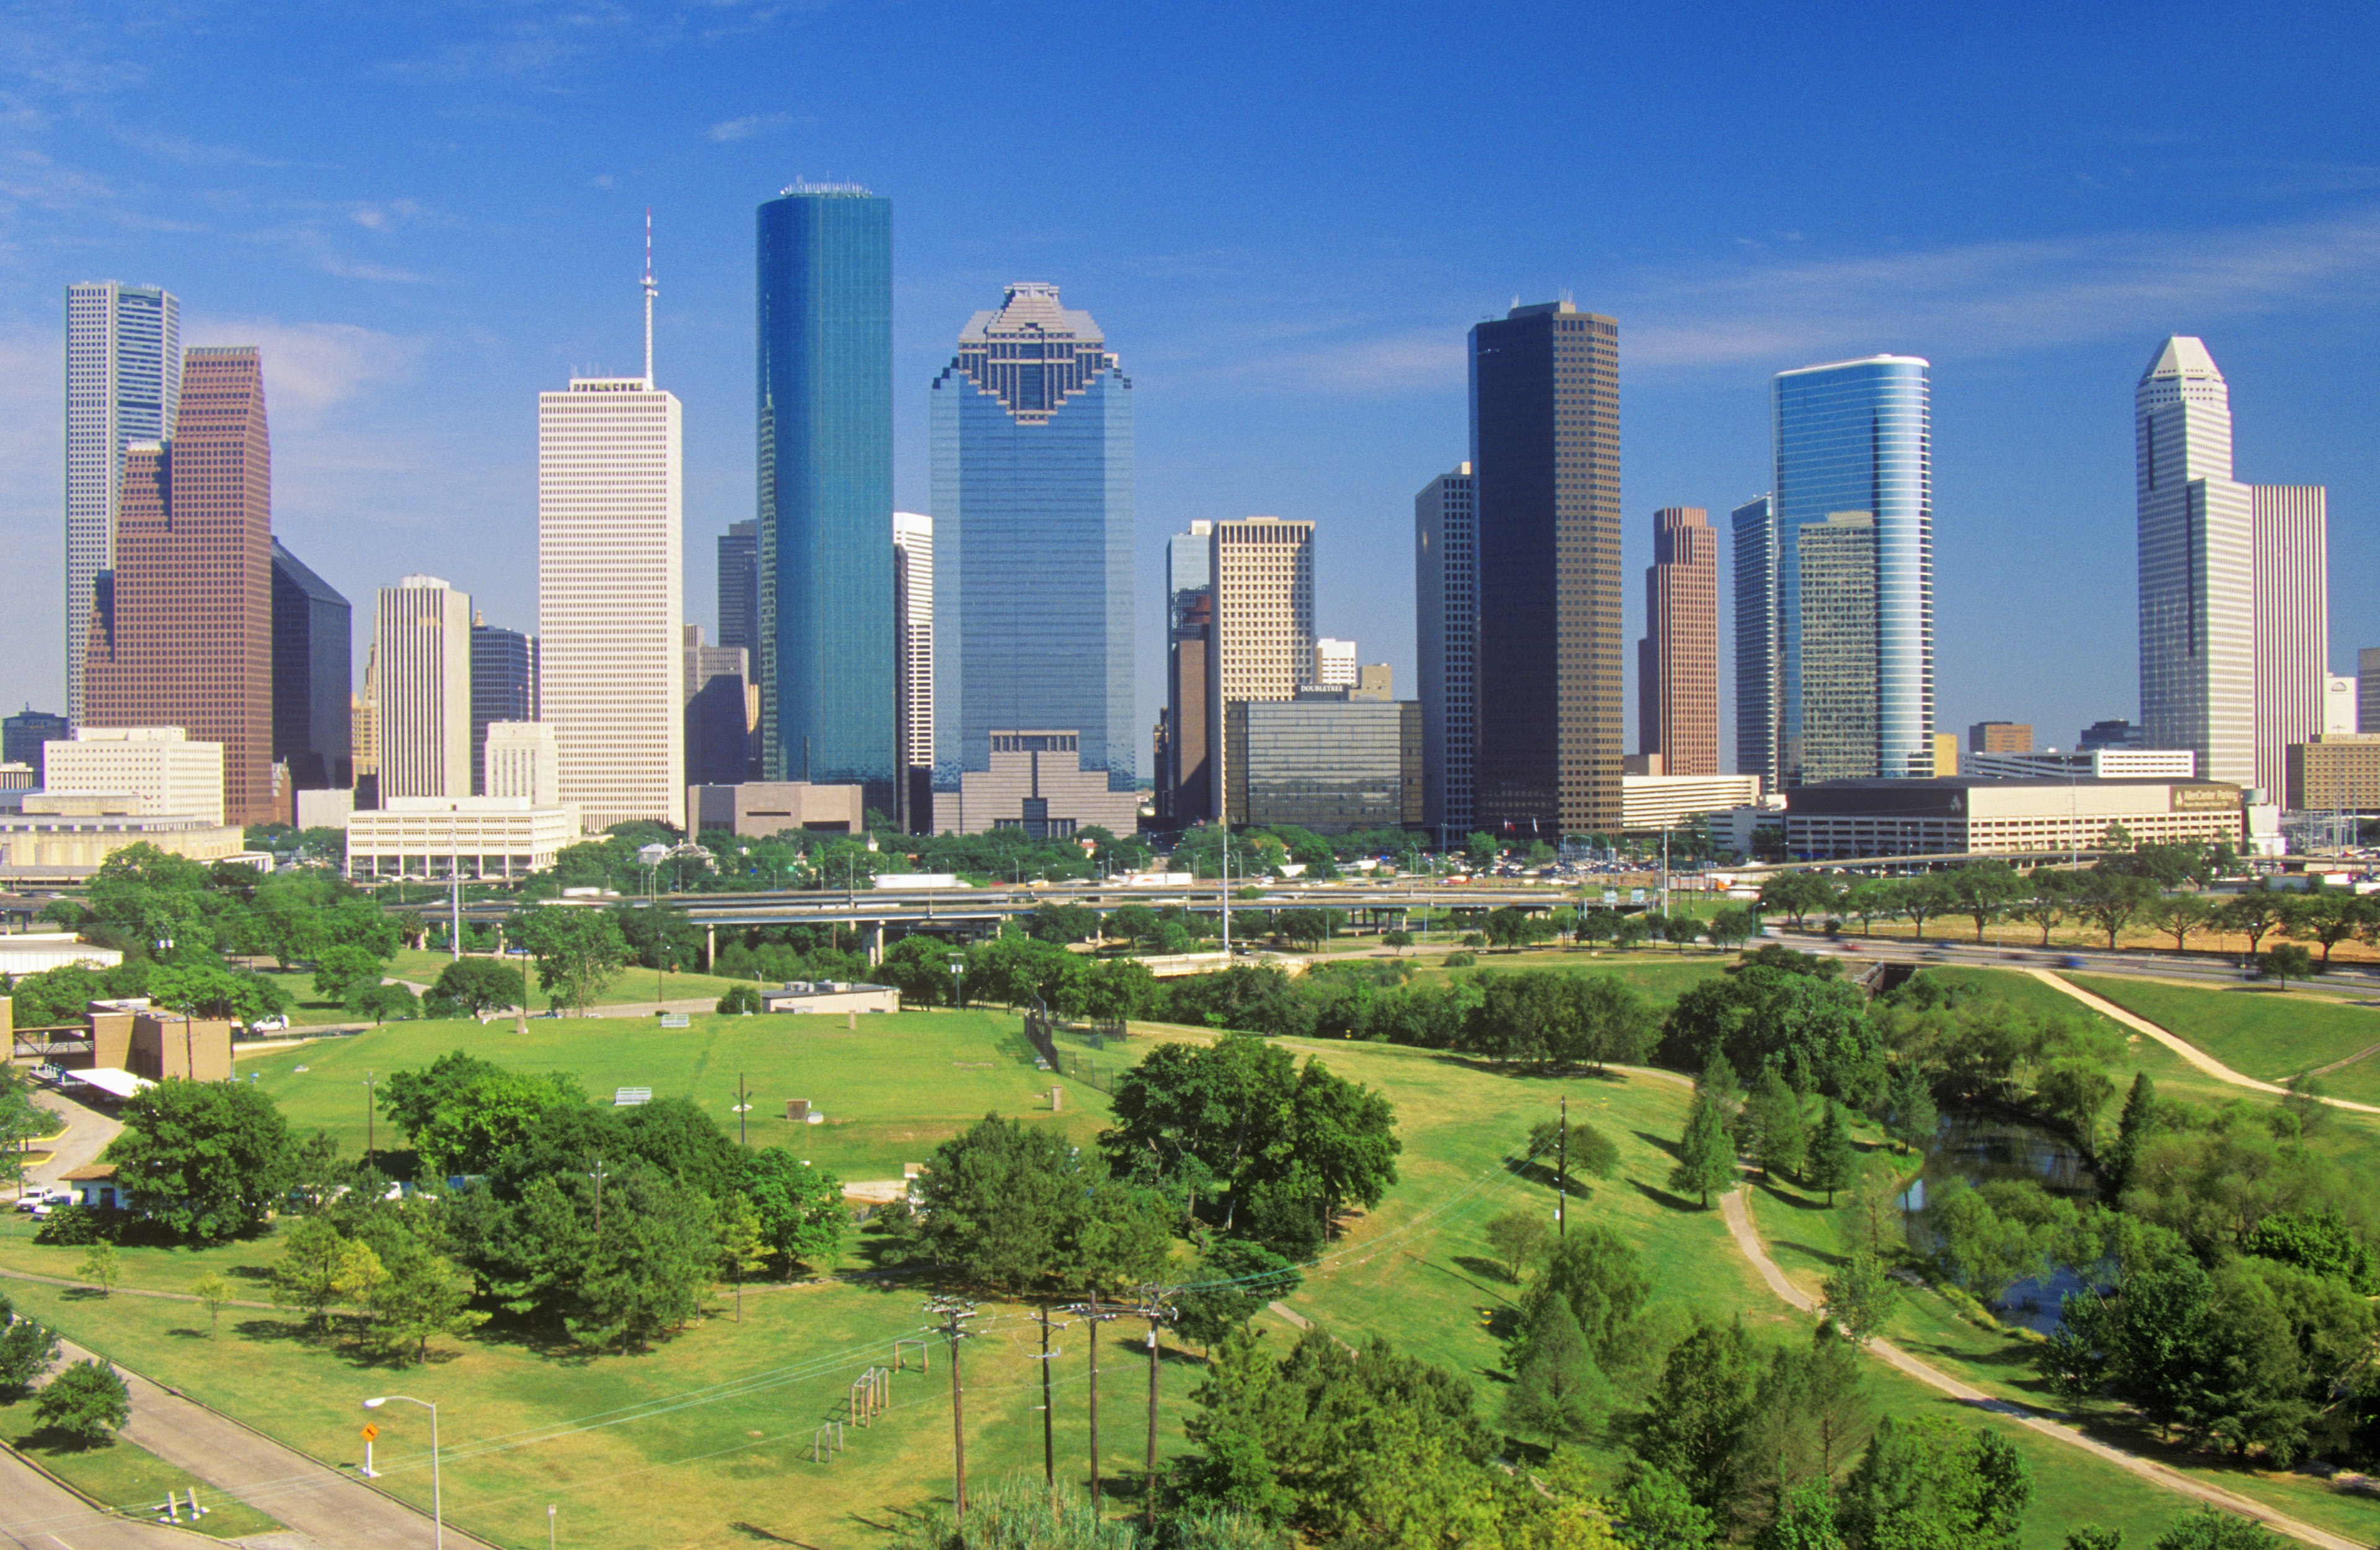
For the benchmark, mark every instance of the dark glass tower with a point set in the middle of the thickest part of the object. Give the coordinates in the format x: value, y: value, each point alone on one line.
x: 22, y: 737
x: 312, y: 674
x: 504, y: 688
x: 1545, y: 453
x: 739, y: 585
x: 1032, y: 459
x: 825, y: 320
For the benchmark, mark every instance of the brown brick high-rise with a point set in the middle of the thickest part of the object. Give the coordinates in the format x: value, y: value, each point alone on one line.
x: 1677, y: 662
x: 182, y: 633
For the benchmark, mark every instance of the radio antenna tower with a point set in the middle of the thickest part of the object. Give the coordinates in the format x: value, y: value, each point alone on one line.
x: 651, y: 291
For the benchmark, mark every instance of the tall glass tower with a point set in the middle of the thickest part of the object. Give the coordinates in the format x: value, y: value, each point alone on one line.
x: 825, y: 318
x: 124, y: 383
x: 1032, y: 457
x: 1854, y: 440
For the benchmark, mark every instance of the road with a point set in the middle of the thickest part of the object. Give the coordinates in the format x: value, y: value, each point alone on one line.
x: 1747, y: 1239
x: 37, y: 1513
x: 2158, y: 964
x: 88, y: 1133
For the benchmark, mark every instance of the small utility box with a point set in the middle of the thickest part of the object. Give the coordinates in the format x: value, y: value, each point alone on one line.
x: 799, y: 1110
x: 1057, y: 1098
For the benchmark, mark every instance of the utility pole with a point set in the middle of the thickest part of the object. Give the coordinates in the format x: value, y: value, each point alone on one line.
x: 1091, y: 1343
x: 743, y: 1105
x: 1156, y: 1312
x: 369, y: 1148
x: 1049, y: 1425
x: 598, y: 1177
x: 1562, y: 1172
x: 953, y: 1309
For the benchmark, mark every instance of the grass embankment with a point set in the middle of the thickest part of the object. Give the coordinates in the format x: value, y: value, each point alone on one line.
x: 2261, y: 1030
x: 704, y: 1441
x: 130, y: 1478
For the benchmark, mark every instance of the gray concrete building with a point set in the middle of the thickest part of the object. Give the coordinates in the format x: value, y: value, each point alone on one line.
x: 1326, y: 761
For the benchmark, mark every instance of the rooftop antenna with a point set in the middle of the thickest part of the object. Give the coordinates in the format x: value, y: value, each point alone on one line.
x: 651, y: 291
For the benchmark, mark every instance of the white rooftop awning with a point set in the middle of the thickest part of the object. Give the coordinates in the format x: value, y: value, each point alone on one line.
x: 111, y: 1081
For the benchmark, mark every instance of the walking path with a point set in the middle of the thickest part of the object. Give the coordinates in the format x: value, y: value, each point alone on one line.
x: 2183, y: 1047
x: 1747, y: 1239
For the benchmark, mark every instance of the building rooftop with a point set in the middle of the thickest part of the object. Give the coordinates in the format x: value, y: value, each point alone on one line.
x: 1030, y: 310
x: 1968, y: 782
x: 2182, y: 356
x: 1863, y: 360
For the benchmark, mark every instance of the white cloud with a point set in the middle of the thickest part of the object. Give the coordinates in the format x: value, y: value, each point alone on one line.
x: 312, y: 370
x: 750, y: 124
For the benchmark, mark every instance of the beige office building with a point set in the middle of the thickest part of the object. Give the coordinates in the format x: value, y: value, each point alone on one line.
x: 2333, y: 774
x: 466, y: 836
x: 757, y: 809
x: 421, y: 656
x: 164, y: 771
x: 1260, y: 644
x: 523, y: 760
x: 1037, y: 783
x: 61, y: 834
x: 1843, y: 821
x: 1652, y: 801
x: 609, y: 579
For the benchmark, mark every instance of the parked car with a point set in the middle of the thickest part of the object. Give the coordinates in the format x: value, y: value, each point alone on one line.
x: 274, y: 1024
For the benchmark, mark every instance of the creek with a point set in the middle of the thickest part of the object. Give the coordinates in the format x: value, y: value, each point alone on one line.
x: 1984, y: 1146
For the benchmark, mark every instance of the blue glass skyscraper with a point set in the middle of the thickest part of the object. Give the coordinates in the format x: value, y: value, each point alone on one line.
x: 1032, y: 470
x: 825, y: 535
x: 1853, y: 440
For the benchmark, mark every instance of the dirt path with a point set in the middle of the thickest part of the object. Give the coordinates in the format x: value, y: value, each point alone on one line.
x: 2341, y: 1065
x: 2183, y: 1047
x: 1747, y: 1239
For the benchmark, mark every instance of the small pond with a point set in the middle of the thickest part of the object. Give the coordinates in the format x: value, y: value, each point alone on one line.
x: 1981, y: 1146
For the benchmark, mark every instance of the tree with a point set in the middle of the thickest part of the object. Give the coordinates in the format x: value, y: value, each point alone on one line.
x: 2076, y: 1091
x: 1804, y: 1519
x: 799, y: 1204
x: 2253, y: 913
x: 206, y: 1160
x: 1121, y: 1236
x: 476, y: 986
x: 86, y: 1401
x: 340, y: 972
x: 1589, y: 1153
x: 2329, y: 917
x: 418, y: 1295
x: 216, y: 1293
x: 2112, y: 901
x: 1772, y: 1117
x: 306, y: 1275
x: 1924, y: 1483
x: 1594, y: 1271
x: 579, y: 953
x: 1518, y: 1236
x: 2092, y: 1537
x: 1874, y: 1206
x: 1731, y: 925
x: 1860, y: 1296
x: 473, y: 1129
x: 384, y: 1002
x: 1831, y: 1164
x: 1701, y: 1408
x: 1927, y: 893
x: 1654, y: 1507
x: 209, y: 990
x: 2132, y: 1128
x: 1706, y: 1153
x: 2177, y: 914
x: 2286, y: 961
x: 1810, y: 1418
x: 740, y: 1000
x: 1909, y: 1114
x: 2208, y: 1527
x: 1984, y: 890
x: 1558, y: 1391
x: 27, y: 1349
x: 1236, y: 1281
x: 998, y: 1200
x: 2045, y: 906
x: 101, y: 1266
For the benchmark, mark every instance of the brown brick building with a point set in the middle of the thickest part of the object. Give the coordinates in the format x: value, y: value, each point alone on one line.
x: 181, y: 634
x: 1677, y: 660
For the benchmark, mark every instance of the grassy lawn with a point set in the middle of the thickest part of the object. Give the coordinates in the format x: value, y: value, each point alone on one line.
x: 892, y: 1090
x: 719, y: 1421
x: 2268, y: 1033
x: 128, y: 1477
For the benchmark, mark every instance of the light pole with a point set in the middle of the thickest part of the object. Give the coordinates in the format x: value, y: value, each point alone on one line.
x: 958, y: 981
x: 437, y: 1502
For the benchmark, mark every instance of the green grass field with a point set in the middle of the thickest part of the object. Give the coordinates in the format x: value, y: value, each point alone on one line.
x: 892, y: 1090
x: 718, y: 1422
x: 128, y: 1477
x: 2258, y: 1031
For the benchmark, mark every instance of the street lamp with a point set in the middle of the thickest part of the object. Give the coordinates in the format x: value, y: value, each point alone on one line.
x: 437, y: 1503
x: 958, y: 980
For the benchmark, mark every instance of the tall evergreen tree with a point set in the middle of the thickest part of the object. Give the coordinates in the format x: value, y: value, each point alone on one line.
x: 1557, y: 1392
x: 1773, y: 1116
x: 2131, y: 1128
x: 1830, y: 1166
x: 1706, y: 1153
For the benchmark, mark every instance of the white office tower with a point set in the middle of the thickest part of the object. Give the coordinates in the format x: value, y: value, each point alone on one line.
x: 2292, y: 624
x: 1260, y: 572
x: 913, y: 651
x: 1334, y: 664
x: 2197, y: 559
x: 421, y: 652
x: 1446, y: 638
x: 124, y: 383
x: 611, y: 668
x: 160, y: 769
x: 2341, y: 713
x: 524, y: 763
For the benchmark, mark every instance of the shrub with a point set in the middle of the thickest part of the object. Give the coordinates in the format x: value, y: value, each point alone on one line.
x: 1462, y: 960
x: 740, y: 999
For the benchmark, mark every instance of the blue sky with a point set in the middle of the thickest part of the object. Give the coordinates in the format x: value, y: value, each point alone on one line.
x: 1284, y: 217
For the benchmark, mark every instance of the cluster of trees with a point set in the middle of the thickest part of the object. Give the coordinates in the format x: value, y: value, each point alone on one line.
x: 386, y: 1265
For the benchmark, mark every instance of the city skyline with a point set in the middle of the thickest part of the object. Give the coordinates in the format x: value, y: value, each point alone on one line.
x: 2033, y: 255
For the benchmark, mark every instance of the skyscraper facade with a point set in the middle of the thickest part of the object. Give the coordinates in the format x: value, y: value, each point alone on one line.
x: 313, y: 676
x: 124, y: 383
x: 610, y: 669
x: 1854, y: 437
x: 181, y: 627
x: 1446, y: 640
x: 1677, y: 660
x: 1182, y: 779
x: 422, y: 640
x: 1187, y: 559
x: 913, y: 667
x: 739, y: 585
x: 1759, y: 649
x: 1835, y: 614
x: 2293, y: 610
x: 1032, y: 470
x: 1545, y: 442
x: 22, y: 737
x: 718, y: 748
x: 2197, y: 559
x: 1261, y: 573
x: 504, y: 689
x: 825, y: 436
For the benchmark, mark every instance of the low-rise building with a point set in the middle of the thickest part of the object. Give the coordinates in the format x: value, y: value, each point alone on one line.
x: 2102, y: 763
x: 66, y: 835
x: 1836, y: 820
x: 2337, y: 772
x: 33, y: 952
x: 1037, y: 782
x: 759, y: 808
x: 1652, y: 801
x: 441, y: 836
x: 168, y: 774
x: 1325, y: 760
x: 832, y: 996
